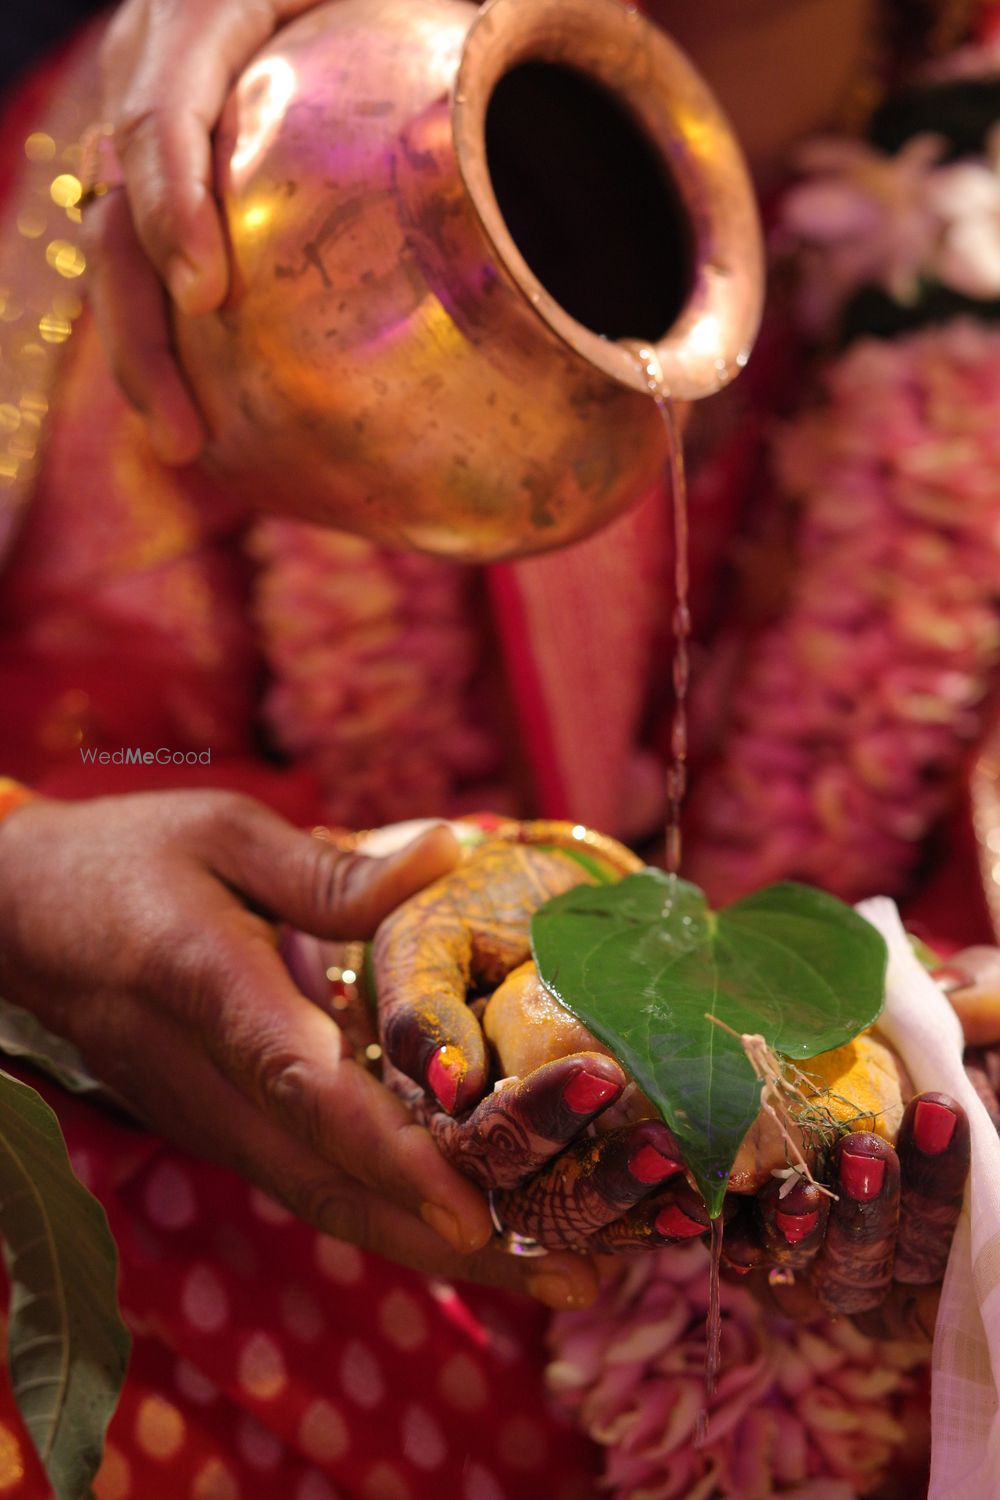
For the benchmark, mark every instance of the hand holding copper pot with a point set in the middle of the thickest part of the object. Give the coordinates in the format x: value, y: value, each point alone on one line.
x: 422, y: 337
x: 446, y: 229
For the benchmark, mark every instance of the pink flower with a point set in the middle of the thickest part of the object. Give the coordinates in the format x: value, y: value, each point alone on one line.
x: 849, y: 721
x: 370, y: 651
x: 810, y: 1411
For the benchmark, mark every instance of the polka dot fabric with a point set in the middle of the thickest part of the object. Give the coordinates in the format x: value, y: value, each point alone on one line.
x: 271, y: 1361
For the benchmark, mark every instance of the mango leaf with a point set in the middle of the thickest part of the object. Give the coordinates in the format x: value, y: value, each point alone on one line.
x: 23, y: 1035
x: 644, y: 962
x: 67, y: 1347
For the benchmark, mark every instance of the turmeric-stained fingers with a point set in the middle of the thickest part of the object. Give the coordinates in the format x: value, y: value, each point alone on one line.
x: 422, y: 958
x: 454, y: 939
x: 502, y: 886
x: 516, y: 1131
x: 591, y: 1185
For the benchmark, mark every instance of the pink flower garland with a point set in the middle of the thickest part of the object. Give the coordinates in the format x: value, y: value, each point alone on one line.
x: 804, y: 1411
x: 853, y: 713
x: 375, y: 658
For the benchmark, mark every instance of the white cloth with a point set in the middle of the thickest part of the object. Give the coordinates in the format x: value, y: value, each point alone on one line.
x: 965, y: 1406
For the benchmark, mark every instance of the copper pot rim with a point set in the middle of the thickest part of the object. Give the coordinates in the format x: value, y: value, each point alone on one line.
x: 618, y: 49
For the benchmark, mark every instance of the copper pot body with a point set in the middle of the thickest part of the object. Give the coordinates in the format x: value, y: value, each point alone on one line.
x: 387, y: 362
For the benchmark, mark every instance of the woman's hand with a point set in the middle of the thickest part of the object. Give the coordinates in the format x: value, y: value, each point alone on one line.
x: 528, y: 1140
x: 167, y: 66
x: 138, y: 928
x: 885, y: 1238
x: 933, y: 1155
x: 609, y: 1177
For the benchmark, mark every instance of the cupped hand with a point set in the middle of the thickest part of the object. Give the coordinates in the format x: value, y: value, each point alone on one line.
x: 843, y: 1255
x: 139, y: 928
x: 877, y: 1251
x: 529, y: 1139
x: 606, y: 1176
x: 166, y: 68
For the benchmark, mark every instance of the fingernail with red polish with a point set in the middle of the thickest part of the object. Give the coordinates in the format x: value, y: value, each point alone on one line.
x: 650, y: 1165
x: 674, y: 1221
x: 586, y: 1092
x: 795, y: 1227
x: 444, y: 1075
x: 861, y: 1177
x: 933, y: 1126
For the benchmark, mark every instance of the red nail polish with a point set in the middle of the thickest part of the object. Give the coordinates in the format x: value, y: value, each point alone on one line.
x: 650, y: 1165
x: 586, y: 1092
x: 443, y: 1078
x: 673, y: 1220
x: 861, y: 1177
x: 933, y: 1126
x: 795, y: 1227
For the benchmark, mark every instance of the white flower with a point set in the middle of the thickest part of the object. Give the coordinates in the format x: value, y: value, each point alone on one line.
x: 863, y: 218
x: 965, y: 199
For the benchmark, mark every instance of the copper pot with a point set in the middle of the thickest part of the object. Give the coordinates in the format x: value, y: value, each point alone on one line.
x: 445, y: 222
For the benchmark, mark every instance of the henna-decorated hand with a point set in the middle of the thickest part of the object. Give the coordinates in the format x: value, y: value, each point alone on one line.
x: 463, y: 935
x: 567, y: 1145
x: 878, y: 1251
x: 849, y: 1269
x: 529, y: 1140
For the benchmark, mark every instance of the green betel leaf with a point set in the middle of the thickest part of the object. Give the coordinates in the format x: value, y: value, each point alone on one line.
x: 67, y: 1346
x: 644, y: 963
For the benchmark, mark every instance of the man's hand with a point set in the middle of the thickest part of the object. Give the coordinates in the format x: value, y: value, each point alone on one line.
x: 138, y: 927
x: 167, y: 66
